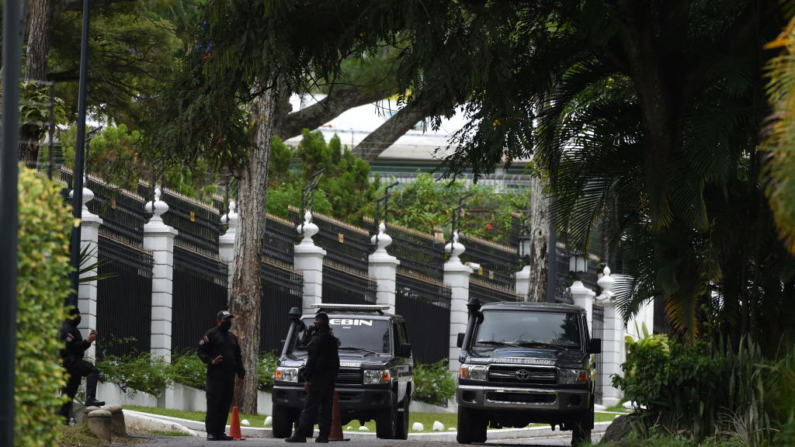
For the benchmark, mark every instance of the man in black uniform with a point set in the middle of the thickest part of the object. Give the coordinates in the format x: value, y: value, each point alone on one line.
x: 320, y: 374
x: 219, y: 349
x: 77, y: 368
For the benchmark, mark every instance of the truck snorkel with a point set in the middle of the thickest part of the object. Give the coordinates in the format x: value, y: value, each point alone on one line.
x: 295, y: 325
x: 475, y: 317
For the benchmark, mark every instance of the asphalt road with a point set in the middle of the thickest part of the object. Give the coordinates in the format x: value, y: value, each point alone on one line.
x: 184, y: 441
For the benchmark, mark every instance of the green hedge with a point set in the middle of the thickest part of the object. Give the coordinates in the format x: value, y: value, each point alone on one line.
x: 45, y: 223
x: 433, y: 383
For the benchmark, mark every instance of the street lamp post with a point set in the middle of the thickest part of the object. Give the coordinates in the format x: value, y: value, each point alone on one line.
x: 9, y: 211
x: 77, y: 180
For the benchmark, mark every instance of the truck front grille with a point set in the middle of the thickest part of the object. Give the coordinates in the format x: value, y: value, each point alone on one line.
x: 522, y: 375
x: 349, y: 377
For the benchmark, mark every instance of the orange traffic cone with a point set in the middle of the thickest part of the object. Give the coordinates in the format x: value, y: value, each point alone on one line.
x: 336, y: 421
x: 234, y: 427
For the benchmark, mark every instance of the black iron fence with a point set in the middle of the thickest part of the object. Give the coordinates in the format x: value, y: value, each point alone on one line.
x: 598, y: 331
x: 282, y: 289
x: 122, y: 212
x: 342, y: 285
x: 490, y: 293
x: 124, y: 300
x: 199, y: 292
x: 498, y: 263
x: 280, y: 239
x: 418, y: 253
x: 345, y: 244
x: 425, y: 305
x: 199, y: 225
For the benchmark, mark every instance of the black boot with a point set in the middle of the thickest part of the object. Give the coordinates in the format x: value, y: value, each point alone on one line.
x: 296, y: 437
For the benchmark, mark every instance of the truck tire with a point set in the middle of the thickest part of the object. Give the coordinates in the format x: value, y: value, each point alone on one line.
x: 403, y: 420
x: 471, y: 426
x: 282, y: 421
x: 581, y: 433
x: 386, y: 423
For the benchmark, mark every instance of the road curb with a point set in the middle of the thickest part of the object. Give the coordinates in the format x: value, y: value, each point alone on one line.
x: 150, y: 422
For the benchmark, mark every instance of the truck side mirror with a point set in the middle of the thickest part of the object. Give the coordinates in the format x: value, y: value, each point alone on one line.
x: 405, y: 350
x: 595, y: 346
x: 460, y: 341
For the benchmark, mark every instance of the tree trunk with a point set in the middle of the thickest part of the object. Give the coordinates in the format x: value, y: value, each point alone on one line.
x: 41, y: 13
x: 245, y: 302
x: 539, y: 242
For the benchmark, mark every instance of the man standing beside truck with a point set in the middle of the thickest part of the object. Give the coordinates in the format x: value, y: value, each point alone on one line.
x: 220, y: 350
x: 320, y: 374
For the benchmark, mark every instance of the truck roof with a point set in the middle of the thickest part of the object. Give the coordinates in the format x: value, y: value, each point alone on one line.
x: 371, y: 311
x: 521, y: 305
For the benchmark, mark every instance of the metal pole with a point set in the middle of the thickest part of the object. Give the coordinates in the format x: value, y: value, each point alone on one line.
x: 77, y: 181
x: 9, y: 212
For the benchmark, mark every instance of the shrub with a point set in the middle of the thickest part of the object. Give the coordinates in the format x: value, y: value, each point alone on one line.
x: 136, y: 372
x: 267, y: 365
x: 188, y: 369
x: 433, y: 383
x: 45, y: 223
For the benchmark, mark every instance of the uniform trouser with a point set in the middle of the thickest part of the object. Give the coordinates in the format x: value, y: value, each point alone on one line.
x: 77, y: 370
x: 318, y: 406
x: 220, y: 390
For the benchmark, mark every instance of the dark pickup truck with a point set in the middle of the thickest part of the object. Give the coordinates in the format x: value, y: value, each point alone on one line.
x: 525, y: 363
x: 376, y: 367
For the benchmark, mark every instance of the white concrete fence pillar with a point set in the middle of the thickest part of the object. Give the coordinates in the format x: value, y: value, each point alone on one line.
x: 583, y: 297
x: 308, y: 259
x: 523, y: 282
x: 612, y: 341
x: 159, y: 239
x: 456, y: 275
x: 383, y: 268
x: 89, y: 241
x: 226, y: 244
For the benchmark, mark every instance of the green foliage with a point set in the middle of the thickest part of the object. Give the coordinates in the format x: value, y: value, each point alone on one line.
x: 433, y: 383
x: 118, y: 155
x: 136, y: 372
x: 344, y: 190
x: 267, y: 365
x: 150, y: 373
x: 703, y: 390
x: 132, y: 53
x: 426, y: 204
x: 45, y: 223
x: 188, y: 369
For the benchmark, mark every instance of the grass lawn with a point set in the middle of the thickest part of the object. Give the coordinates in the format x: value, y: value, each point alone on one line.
x: 449, y: 420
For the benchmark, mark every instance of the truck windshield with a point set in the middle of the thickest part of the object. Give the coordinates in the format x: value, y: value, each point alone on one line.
x: 529, y: 329
x: 355, y: 334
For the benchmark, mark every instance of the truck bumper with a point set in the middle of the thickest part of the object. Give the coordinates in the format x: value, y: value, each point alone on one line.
x: 502, y: 398
x: 351, y: 400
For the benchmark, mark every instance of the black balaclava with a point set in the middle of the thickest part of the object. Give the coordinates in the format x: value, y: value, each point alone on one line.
x: 321, y: 322
x: 225, y: 325
x: 74, y: 317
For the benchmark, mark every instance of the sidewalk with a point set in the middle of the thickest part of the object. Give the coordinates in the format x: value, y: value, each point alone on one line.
x: 137, y: 421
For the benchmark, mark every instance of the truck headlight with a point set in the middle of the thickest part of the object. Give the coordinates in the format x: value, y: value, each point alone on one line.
x: 286, y: 374
x: 474, y: 372
x: 376, y: 376
x: 573, y: 376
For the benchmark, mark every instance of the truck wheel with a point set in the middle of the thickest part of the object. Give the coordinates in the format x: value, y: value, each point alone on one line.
x: 470, y: 426
x: 581, y: 433
x: 386, y: 422
x: 403, y: 420
x: 282, y: 422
